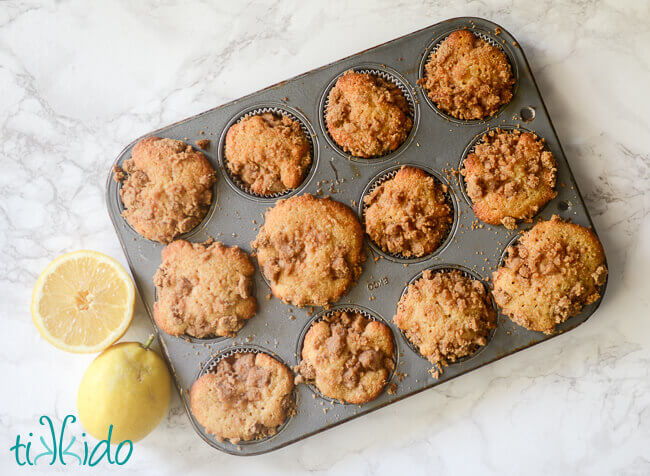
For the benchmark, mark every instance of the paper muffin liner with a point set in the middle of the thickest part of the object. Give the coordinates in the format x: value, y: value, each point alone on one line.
x: 449, y: 197
x: 488, y: 292
x: 488, y: 37
x: 210, y: 367
x: 386, y: 74
x: 352, y: 308
x: 236, y: 182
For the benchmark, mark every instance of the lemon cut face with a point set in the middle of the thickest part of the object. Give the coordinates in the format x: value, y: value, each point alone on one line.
x: 83, y: 301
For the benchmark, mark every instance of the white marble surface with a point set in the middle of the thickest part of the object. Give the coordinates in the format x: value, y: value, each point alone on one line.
x: 79, y: 80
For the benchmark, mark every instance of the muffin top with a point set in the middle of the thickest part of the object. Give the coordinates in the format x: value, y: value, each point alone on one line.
x: 408, y: 214
x: 247, y: 397
x: 509, y: 177
x: 269, y: 153
x: 203, y: 289
x: 166, y: 188
x: 468, y: 78
x: 348, y: 356
x: 555, y: 269
x: 366, y: 115
x: 310, y: 249
x: 446, y: 315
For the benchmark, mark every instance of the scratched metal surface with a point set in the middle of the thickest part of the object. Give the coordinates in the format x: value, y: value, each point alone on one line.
x: 436, y: 143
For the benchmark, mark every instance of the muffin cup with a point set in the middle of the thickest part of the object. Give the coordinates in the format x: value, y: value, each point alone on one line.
x: 209, y: 339
x: 183, y: 236
x: 211, y: 365
x: 388, y: 174
x: 279, y: 109
x: 462, y: 186
x: 470, y: 274
x: 490, y: 38
x: 367, y: 313
x: 561, y: 327
x: 388, y: 74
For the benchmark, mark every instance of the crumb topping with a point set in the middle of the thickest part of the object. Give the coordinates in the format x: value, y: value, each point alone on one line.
x: 366, y: 115
x: 310, y: 249
x: 247, y: 397
x: 509, y: 177
x: 408, y: 214
x: 269, y: 153
x: 467, y: 77
x: 203, y: 290
x: 166, y: 188
x: 554, y: 270
x: 446, y: 315
x: 348, y: 357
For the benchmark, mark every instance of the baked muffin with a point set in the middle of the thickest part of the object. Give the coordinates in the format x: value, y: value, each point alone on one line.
x: 248, y: 396
x: 366, y: 115
x: 203, y: 289
x: 446, y: 315
x: 555, y: 269
x: 348, y: 356
x: 166, y: 188
x: 468, y: 78
x: 310, y: 250
x: 408, y: 214
x: 509, y: 177
x: 269, y: 153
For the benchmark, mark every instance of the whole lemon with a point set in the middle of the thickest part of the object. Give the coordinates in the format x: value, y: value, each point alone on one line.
x: 127, y: 386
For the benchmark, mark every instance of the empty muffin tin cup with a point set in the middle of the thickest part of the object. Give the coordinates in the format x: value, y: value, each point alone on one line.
x: 470, y: 274
x: 390, y: 75
x: 278, y: 110
x: 491, y: 38
x: 450, y: 198
x: 210, y: 367
x: 368, y: 314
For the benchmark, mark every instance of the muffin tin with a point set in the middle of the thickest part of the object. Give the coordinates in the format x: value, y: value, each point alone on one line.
x: 437, y: 143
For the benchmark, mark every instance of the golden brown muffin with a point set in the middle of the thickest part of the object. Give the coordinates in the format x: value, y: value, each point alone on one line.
x: 203, y: 289
x: 166, y: 189
x: 310, y: 249
x: 408, y: 214
x: 366, y: 115
x: 269, y: 153
x: 468, y: 78
x: 247, y: 397
x: 446, y: 315
x: 348, y: 356
x: 509, y: 177
x: 555, y: 269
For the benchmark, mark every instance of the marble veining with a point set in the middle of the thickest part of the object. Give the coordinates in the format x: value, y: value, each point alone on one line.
x: 80, y: 80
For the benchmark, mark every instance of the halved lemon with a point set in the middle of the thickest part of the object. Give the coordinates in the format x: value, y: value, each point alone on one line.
x: 83, y: 301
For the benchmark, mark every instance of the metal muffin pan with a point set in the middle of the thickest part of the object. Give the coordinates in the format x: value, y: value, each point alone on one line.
x: 436, y: 144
